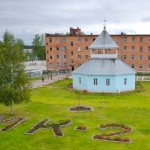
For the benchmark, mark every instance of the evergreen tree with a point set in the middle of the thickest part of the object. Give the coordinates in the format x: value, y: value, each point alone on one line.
x: 14, y: 87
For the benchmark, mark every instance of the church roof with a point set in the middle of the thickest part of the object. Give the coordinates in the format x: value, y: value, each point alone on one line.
x: 103, y: 41
x: 104, y: 67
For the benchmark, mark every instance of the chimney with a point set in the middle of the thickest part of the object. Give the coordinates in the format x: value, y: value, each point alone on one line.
x: 76, y: 31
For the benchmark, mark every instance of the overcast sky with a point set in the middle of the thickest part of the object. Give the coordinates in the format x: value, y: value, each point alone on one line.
x: 25, y: 18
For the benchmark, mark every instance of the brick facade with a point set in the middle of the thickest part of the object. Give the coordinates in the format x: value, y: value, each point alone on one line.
x: 69, y: 51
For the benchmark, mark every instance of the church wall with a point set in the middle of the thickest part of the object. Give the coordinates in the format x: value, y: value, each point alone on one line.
x: 116, y: 83
x: 130, y: 83
x: 87, y: 83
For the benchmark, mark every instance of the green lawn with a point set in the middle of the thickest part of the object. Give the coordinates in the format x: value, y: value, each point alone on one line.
x: 131, y: 109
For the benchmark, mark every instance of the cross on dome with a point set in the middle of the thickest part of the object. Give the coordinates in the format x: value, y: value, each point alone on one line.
x: 104, y: 24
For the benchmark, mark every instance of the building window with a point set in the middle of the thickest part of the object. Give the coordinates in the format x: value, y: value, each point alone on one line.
x: 125, y: 48
x: 79, y: 49
x: 124, y: 39
x: 133, y: 39
x: 140, y: 57
x: 93, y: 39
x: 57, y: 56
x: 65, y: 65
x: 148, y: 67
x: 133, y: 48
x: 71, y: 52
x: 141, y: 48
x: 57, y: 39
x: 107, y: 81
x: 71, y: 43
x: 64, y: 39
x: 64, y: 56
x: 117, y: 40
x: 95, y: 81
x: 141, y: 39
x: 79, y: 80
x: 72, y: 61
x: 78, y: 39
x: 64, y: 48
x: 79, y: 56
x: 124, y: 57
x: 51, y: 57
x: 86, y: 57
x: 86, y: 48
x: 132, y: 66
x: 132, y: 57
x: 50, y: 40
x: 50, y: 48
x: 149, y: 48
x: 125, y: 81
x: 57, y: 47
x: 140, y: 66
x: 86, y: 39
x: 148, y: 57
x: 149, y: 40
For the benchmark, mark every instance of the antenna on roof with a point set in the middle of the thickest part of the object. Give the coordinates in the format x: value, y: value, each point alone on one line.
x: 104, y: 24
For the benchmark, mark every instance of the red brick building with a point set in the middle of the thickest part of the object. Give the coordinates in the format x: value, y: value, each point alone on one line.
x: 68, y: 51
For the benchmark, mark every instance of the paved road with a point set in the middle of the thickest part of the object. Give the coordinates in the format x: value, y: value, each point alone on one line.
x: 40, y: 83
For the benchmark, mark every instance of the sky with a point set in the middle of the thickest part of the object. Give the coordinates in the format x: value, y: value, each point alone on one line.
x: 25, y: 18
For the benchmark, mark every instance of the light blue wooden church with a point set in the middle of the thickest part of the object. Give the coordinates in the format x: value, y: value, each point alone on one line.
x: 104, y: 73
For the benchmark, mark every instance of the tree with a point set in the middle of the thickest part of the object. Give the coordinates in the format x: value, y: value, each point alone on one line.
x: 14, y: 87
x: 38, y: 46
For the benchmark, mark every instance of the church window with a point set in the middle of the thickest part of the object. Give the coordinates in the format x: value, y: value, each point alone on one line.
x: 79, y: 80
x: 125, y: 81
x: 107, y: 81
x: 95, y: 81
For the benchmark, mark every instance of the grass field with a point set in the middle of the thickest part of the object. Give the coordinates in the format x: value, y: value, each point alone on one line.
x: 131, y: 109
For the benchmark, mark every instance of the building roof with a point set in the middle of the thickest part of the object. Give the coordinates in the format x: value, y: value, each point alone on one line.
x: 103, y: 41
x: 104, y: 67
x: 91, y: 35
